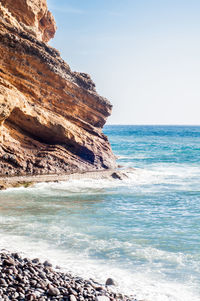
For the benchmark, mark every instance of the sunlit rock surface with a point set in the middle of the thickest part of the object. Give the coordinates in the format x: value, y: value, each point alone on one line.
x: 51, y: 118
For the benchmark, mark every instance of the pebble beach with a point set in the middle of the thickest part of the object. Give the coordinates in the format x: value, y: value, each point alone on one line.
x: 26, y: 279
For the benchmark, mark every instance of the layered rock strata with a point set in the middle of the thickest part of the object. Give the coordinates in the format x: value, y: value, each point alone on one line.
x: 51, y: 118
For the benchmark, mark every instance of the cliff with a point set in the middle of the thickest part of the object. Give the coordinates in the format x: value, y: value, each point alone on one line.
x: 51, y: 118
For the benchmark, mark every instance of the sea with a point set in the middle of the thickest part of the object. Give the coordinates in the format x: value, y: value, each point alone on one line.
x: 143, y: 231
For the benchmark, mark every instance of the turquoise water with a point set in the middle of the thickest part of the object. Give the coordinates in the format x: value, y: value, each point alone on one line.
x: 143, y: 231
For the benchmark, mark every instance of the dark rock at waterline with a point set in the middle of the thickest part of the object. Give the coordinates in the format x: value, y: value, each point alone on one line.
x: 116, y: 175
x: 25, y: 279
x: 110, y: 281
x: 36, y: 260
x: 119, y: 175
x: 47, y: 264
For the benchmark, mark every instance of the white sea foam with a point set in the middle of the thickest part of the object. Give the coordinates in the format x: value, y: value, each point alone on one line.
x: 136, y: 156
x: 156, y: 174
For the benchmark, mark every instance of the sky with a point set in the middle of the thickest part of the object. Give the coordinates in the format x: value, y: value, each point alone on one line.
x: 143, y: 55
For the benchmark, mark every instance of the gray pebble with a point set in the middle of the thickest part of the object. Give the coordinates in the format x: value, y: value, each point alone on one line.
x: 3, y: 282
x: 47, y: 264
x: 110, y: 281
x: 72, y: 298
x: 52, y: 291
x: 35, y: 260
x: 9, y: 261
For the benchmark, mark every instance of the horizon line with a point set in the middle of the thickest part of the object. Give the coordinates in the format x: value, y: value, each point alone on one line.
x: 152, y: 124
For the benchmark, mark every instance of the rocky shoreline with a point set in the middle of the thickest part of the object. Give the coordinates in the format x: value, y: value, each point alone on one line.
x: 29, y: 180
x: 26, y: 279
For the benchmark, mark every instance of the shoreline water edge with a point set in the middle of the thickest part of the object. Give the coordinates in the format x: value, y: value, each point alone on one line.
x: 29, y: 180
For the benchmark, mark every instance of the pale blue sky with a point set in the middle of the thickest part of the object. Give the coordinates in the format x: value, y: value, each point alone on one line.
x: 143, y: 55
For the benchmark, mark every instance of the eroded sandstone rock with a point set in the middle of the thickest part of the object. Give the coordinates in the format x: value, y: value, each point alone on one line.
x: 31, y: 15
x: 51, y: 118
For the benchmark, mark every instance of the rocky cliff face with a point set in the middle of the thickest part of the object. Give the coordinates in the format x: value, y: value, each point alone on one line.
x: 51, y: 118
